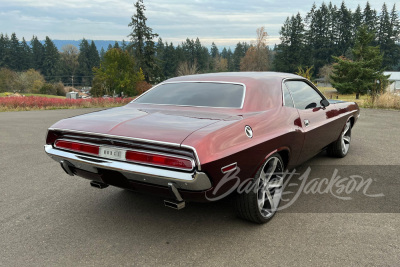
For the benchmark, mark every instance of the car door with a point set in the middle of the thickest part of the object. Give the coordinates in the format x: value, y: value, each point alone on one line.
x: 317, y: 127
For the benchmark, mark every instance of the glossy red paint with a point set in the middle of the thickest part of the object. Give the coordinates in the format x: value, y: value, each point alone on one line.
x: 217, y: 134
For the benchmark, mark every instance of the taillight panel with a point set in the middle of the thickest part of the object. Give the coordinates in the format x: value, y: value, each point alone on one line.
x: 134, y: 156
x: 159, y: 159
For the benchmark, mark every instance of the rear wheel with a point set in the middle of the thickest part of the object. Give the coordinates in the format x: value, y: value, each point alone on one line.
x: 260, y: 204
x: 341, y: 146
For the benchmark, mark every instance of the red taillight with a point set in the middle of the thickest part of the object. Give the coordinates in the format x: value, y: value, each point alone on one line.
x: 78, y: 147
x: 160, y: 160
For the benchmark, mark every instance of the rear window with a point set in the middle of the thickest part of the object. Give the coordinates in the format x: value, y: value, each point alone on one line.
x: 201, y: 94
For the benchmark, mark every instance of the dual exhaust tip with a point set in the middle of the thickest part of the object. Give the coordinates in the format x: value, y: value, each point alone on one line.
x: 98, y: 185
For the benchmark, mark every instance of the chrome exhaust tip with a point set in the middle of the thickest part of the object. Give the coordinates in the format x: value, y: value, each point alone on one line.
x: 98, y: 185
x: 174, y: 204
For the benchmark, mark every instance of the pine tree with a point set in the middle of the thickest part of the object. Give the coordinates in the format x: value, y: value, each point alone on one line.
x: 51, y: 61
x: 357, y: 18
x: 4, y: 51
x: 290, y: 53
x: 359, y: 75
x: 170, y: 61
x: 37, y: 54
x: 142, y: 43
x: 214, y: 50
x: 84, y: 70
x: 201, y: 56
x: 344, y: 35
x: 26, y: 56
x: 370, y: 18
x: 116, y: 45
x: 94, y: 57
x: 238, y: 54
x: 392, y: 55
x: 102, y: 53
x: 14, y: 52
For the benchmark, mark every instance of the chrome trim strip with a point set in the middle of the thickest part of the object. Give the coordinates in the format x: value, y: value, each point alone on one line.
x: 126, y: 149
x: 134, y: 139
x: 196, y: 181
x: 238, y: 83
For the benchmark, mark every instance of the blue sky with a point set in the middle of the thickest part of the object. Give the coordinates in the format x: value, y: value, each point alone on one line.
x: 224, y: 22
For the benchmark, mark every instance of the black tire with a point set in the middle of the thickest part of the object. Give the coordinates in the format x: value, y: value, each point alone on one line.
x: 248, y: 204
x: 340, y: 148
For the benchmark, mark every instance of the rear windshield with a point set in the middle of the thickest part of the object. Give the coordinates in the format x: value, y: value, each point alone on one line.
x: 201, y: 94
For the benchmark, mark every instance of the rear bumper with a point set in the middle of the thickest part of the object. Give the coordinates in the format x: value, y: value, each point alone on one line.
x: 194, y: 181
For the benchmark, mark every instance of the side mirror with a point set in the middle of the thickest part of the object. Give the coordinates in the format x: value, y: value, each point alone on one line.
x: 324, y: 103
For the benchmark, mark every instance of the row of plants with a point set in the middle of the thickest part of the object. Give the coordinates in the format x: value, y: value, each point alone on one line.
x: 42, y: 103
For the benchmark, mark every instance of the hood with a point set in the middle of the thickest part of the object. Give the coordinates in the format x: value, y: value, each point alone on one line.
x: 154, y: 124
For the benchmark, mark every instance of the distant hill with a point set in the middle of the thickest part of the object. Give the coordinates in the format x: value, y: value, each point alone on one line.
x: 99, y: 43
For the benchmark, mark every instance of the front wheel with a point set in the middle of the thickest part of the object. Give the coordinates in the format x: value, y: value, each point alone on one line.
x: 341, y: 146
x: 259, y: 204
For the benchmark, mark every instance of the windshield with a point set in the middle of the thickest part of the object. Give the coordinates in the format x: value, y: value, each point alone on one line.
x: 201, y: 94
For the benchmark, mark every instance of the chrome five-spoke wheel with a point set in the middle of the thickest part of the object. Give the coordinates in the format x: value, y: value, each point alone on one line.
x: 341, y: 146
x: 260, y: 203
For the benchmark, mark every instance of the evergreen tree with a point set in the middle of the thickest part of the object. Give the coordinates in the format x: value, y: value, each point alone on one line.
x: 123, y: 45
x: 14, y: 52
x: 345, y: 38
x: 26, y: 56
x: 290, y: 53
x: 102, y: 53
x: 238, y: 54
x: 214, y: 50
x: 391, y: 57
x: 201, y: 56
x: 357, y: 18
x: 370, y: 18
x: 359, y: 75
x: 94, y: 57
x: 51, y: 60
x: 116, y: 45
x: 142, y: 43
x: 84, y: 69
x: 4, y: 51
x: 170, y: 61
x: 37, y: 54
x: 229, y: 59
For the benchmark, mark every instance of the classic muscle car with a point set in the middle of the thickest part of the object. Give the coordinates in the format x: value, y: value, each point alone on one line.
x: 199, y: 137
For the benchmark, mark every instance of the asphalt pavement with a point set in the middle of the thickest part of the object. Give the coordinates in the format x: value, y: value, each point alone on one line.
x: 48, y: 218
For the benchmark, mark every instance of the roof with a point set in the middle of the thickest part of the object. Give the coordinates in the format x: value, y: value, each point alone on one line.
x: 235, y: 76
x: 263, y: 89
x: 394, y: 75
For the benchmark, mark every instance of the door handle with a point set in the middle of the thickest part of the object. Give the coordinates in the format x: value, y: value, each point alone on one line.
x: 306, y: 122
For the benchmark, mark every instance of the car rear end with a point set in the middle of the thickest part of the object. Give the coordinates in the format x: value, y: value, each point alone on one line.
x: 166, y: 169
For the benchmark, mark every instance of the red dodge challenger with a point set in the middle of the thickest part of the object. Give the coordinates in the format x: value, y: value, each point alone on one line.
x: 201, y: 137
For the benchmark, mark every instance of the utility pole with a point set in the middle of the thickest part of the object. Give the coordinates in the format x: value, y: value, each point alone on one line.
x: 72, y: 80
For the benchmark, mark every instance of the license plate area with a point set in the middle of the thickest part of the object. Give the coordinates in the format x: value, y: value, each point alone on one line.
x: 112, y: 153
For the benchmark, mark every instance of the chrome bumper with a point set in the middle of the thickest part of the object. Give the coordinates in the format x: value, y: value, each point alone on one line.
x: 195, y: 181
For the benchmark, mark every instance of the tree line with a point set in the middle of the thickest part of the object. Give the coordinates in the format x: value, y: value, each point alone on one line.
x: 313, y: 41
x: 329, y: 30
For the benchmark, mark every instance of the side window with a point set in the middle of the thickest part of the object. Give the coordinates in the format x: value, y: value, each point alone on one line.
x: 304, y: 96
x: 287, y: 97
